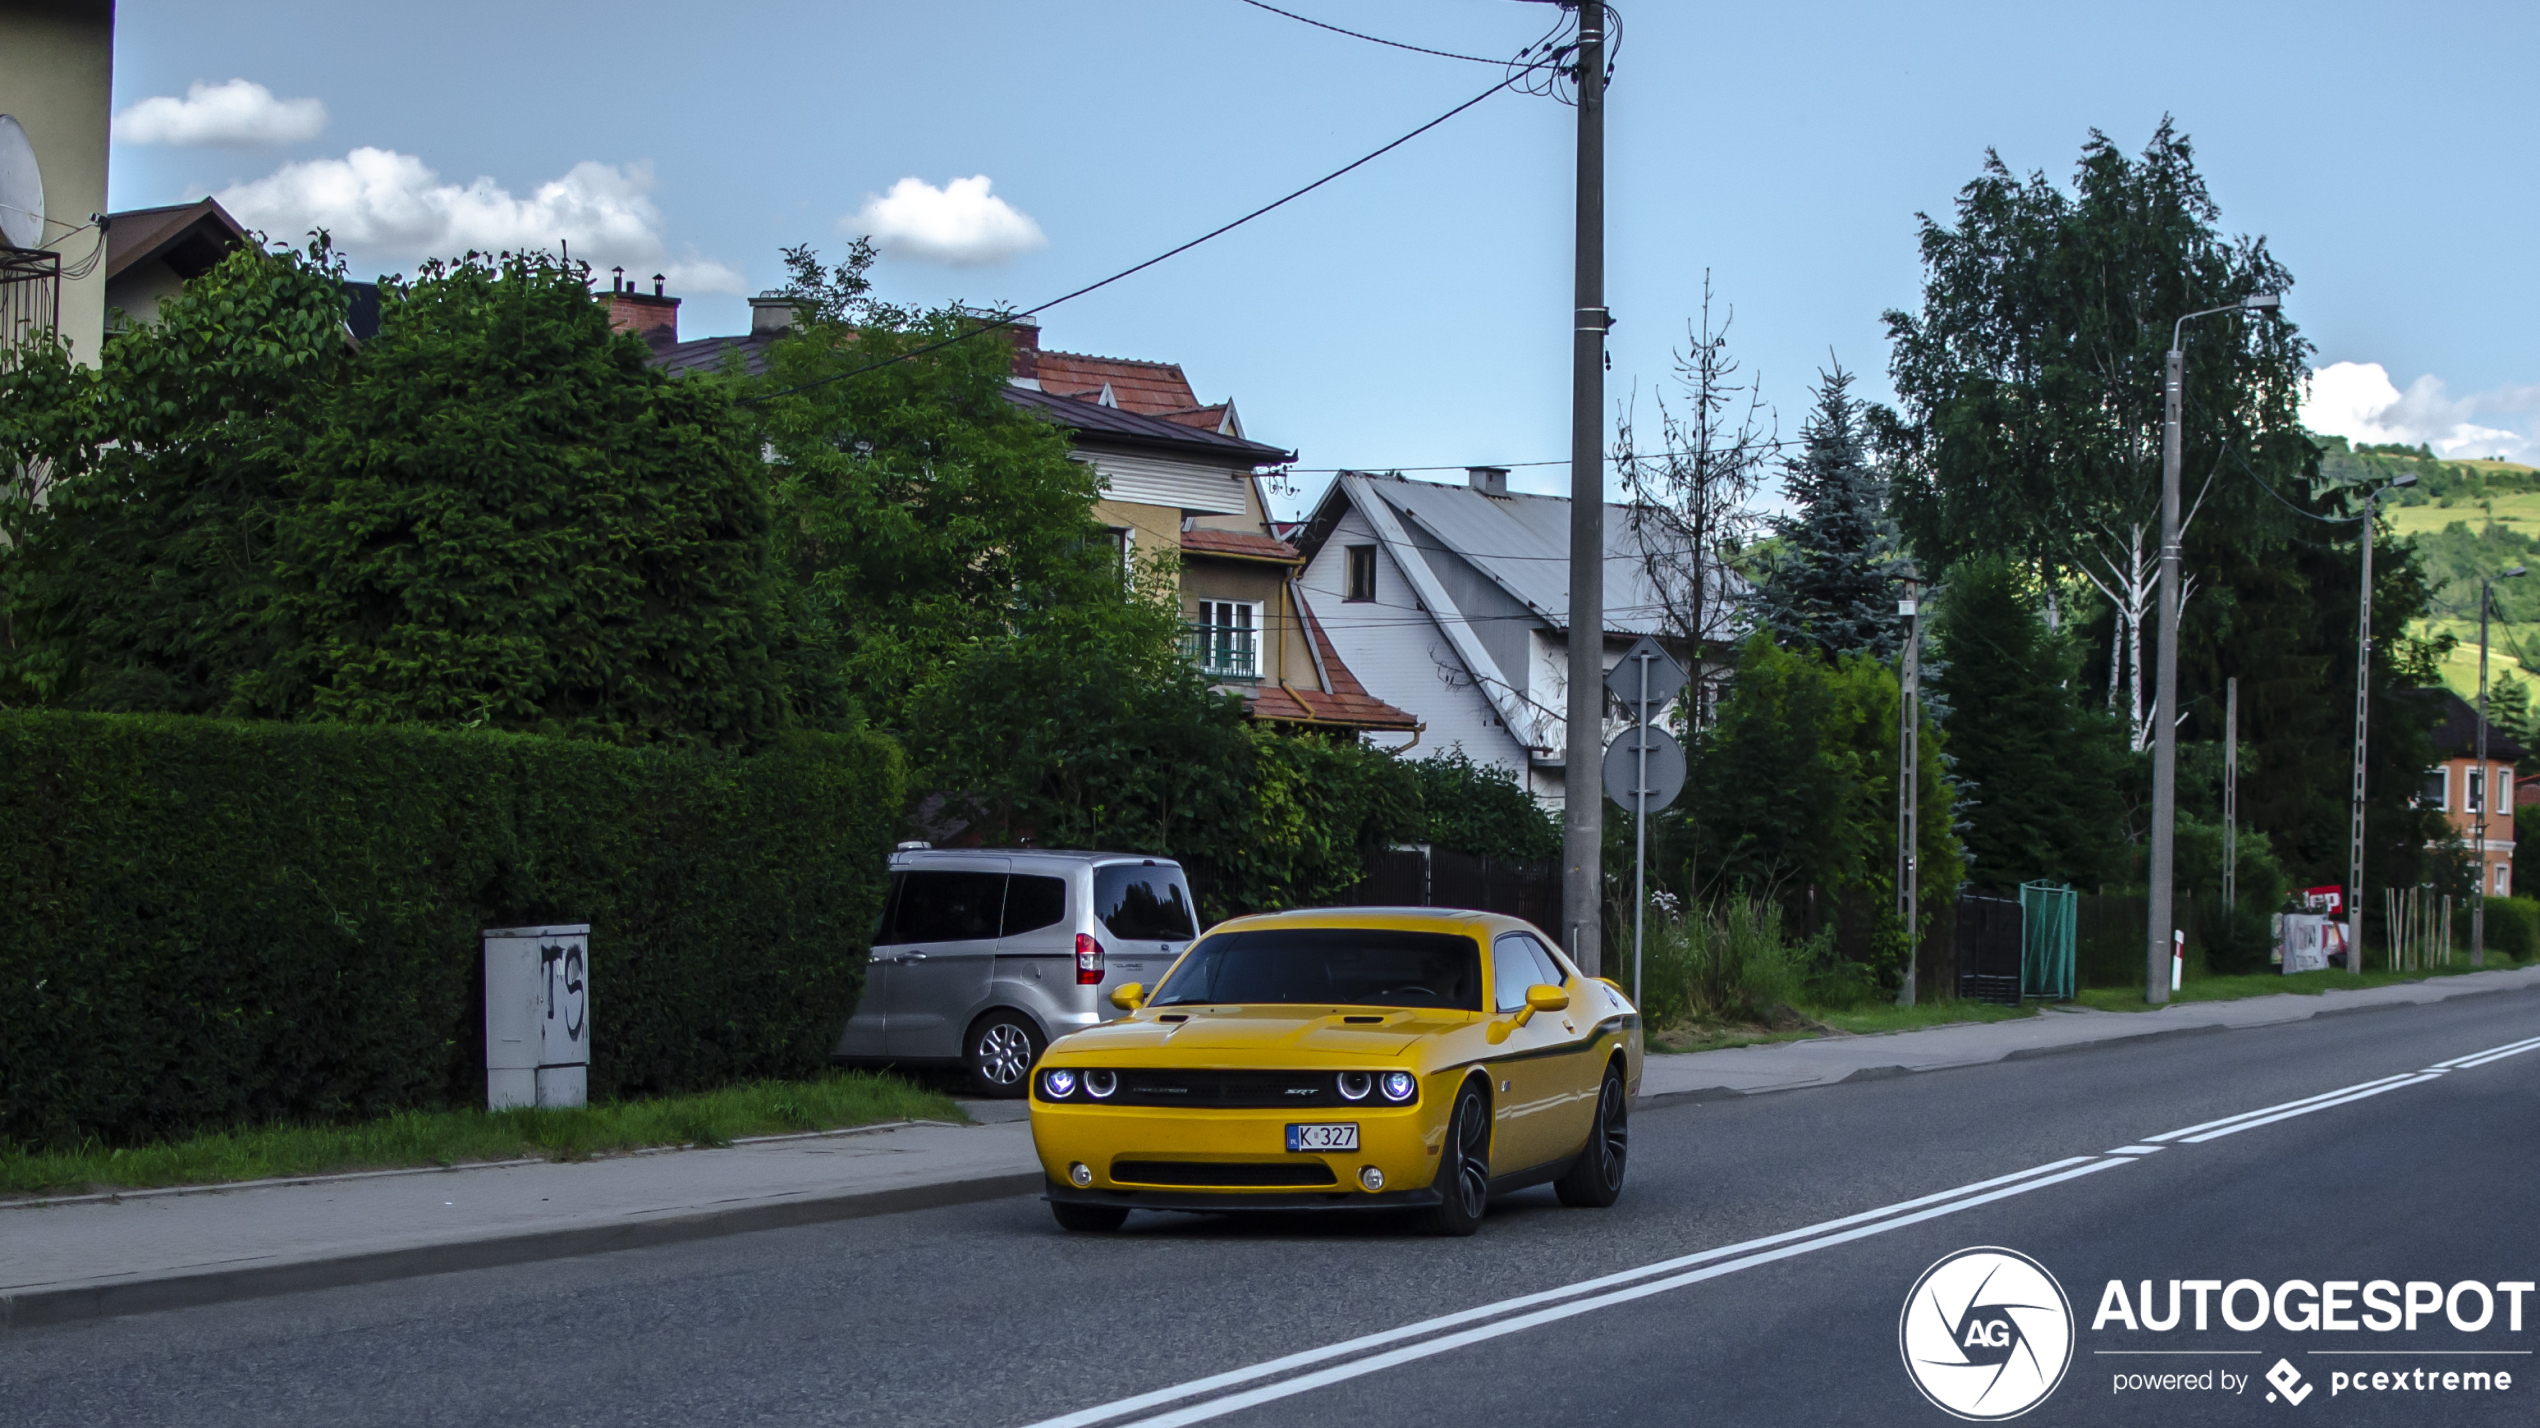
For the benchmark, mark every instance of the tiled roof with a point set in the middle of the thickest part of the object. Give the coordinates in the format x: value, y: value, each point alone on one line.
x: 1347, y: 703
x: 1120, y: 422
x: 1205, y: 418
x: 1202, y: 541
x: 2457, y: 736
x: 190, y: 236
x: 705, y: 354
x: 1148, y: 388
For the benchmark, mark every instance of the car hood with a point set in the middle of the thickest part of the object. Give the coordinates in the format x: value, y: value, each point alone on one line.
x: 1239, y: 1032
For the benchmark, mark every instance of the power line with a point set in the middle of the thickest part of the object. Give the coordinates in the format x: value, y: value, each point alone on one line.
x: 1371, y: 39
x: 1011, y: 318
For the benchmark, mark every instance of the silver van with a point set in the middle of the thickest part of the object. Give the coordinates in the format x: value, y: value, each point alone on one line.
x: 985, y: 957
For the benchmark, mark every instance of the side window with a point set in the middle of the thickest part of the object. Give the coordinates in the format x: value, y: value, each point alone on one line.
x: 1362, y: 573
x: 882, y: 934
x: 1032, y: 903
x: 1548, y: 968
x: 947, y: 906
x: 1513, y: 969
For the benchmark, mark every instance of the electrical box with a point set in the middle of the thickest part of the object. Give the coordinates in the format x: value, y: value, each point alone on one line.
x: 537, y: 1016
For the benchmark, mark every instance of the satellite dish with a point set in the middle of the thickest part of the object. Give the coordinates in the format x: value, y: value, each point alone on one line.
x: 21, y: 188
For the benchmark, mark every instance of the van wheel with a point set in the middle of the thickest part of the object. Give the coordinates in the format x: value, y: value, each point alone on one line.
x: 1003, y: 1047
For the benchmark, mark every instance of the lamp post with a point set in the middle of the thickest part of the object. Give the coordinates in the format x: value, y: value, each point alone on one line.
x: 2486, y: 775
x: 2156, y: 959
x: 2363, y: 689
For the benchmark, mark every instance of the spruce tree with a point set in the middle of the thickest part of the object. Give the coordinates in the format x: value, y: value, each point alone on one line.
x: 1834, y: 582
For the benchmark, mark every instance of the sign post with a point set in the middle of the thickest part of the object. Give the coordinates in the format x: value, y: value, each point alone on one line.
x: 537, y: 1016
x: 1644, y: 766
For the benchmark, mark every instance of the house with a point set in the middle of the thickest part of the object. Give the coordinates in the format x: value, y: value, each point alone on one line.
x: 57, y: 69
x: 1452, y: 602
x: 1179, y: 478
x: 151, y: 253
x: 2458, y: 784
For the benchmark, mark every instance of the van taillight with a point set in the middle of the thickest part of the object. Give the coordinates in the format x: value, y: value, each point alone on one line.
x: 1088, y: 961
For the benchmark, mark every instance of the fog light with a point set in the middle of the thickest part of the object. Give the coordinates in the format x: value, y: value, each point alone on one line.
x: 1081, y: 1175
x: 1371, y: 1177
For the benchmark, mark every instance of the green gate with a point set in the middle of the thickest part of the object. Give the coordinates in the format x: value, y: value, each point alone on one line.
x: 2047, y: 922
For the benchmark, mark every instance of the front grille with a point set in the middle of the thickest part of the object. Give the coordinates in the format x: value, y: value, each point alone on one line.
x: 1248, y: 1175
x: 1305, y: 1090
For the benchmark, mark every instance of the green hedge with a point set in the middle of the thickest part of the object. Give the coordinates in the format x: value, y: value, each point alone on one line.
x: 209, y: 923
x: 2513, y: 927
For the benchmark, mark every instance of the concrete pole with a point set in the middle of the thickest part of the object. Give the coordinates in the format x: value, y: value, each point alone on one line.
x: 1583, y: 809
x: 2363, y: 693
x: 2486, y: 793
x: 1909, y: 801
x: 2231, y: 797
x: 2156, y: 956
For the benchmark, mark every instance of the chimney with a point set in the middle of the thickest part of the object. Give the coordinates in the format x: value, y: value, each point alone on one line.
x: 771, y: 314
x: 651, y: 316
x: 1027, y: 348
x: 1489, y: 480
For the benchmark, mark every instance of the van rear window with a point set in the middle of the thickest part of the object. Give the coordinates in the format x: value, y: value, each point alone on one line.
x: 1143, y: 902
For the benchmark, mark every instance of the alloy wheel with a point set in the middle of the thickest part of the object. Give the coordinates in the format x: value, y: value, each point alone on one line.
x: 1472, y: 1144
x: 1005, y: 1054
x: 1613, y: 1130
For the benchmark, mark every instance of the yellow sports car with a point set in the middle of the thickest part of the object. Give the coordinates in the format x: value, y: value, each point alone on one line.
x: 1412, y: 1058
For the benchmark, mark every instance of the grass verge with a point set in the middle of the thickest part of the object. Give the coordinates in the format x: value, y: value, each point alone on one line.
x: 1863, y: 1021
x: 2267, y: 984
x: 428, y: 1138
x: 1804, y: 1023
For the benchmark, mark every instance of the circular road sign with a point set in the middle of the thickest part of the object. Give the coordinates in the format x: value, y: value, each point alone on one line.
x: 1623, y: 768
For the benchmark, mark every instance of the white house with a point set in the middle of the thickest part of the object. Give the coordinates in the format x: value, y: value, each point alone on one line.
x: 1452, y: 602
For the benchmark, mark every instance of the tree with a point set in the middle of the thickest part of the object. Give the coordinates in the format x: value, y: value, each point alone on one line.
x: 1833, y: 582
x: 2039, y: 775
x: 504, y: 515
x: 917, y: 510
x: 1693, y: 499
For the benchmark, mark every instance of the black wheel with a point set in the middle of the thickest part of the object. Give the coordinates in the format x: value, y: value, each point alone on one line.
x: 1463, y: 1167
x: 1098, y: 1219
x: 1596, y: 1181
x: 1003, y: 1047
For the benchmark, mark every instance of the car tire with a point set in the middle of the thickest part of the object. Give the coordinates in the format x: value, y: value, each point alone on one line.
x: 1093, y: 1219
x: 1000, y: 1054
x: 1596, y: 1180
x: 1463, y: 1182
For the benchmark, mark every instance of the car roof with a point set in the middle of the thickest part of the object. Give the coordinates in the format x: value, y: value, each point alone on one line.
x: 1469, y: 921
x: 1042, y: 856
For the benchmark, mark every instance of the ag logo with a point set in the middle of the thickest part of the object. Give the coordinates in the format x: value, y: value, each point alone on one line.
x: 1986, y: 1334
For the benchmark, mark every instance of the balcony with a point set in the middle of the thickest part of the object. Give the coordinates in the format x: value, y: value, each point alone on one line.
x: 1224, y: 653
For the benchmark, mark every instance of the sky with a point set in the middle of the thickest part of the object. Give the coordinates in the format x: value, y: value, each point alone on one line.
x: 1414, y: 313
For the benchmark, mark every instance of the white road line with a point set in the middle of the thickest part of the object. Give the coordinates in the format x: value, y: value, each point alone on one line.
x: 2499, y: 1054
x: 2457, y: 1061
x: 2362, y: 1094
x: 1234, y: 1377
x: 2280, y: 1106
x: 1268, y: 1393
x: 2138, y: 1149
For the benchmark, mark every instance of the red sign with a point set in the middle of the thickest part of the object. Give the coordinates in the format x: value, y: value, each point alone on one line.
x: 2330, y: 900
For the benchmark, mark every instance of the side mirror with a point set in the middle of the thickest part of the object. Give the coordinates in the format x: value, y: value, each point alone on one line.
x: 1129, y: 996
x: 1544, y: 997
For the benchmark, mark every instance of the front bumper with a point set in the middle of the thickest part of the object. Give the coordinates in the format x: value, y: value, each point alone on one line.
x: 1221, y: 1202
x: 1400, y: 1141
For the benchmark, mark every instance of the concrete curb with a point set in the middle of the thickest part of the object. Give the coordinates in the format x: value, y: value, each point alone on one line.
x: 32, y: 1308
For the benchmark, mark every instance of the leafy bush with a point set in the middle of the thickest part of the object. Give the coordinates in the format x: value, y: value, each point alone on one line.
x: 1481, y: 809
x: 1729, y: 963
x: 211, y: 924
x: 2513, y: 927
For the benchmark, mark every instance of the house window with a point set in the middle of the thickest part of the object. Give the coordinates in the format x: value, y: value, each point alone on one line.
x: 2438, y: 788
x: 1225, y: 642
x: 1127, y: 553
x: 2477, y: 791
x: 2504, y: 880
x: 1362, y: 573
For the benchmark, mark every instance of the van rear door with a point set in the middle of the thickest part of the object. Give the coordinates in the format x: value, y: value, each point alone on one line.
x: 1145, y: 916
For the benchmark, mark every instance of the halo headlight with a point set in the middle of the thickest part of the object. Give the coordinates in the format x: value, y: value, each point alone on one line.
x: 1355, y: 1085
x: 1058, y: 1085
x: 1399, y: 1086
x: 1100, y: 1084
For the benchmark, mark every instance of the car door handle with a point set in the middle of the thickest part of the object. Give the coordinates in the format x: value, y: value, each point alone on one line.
x: 912, y: 956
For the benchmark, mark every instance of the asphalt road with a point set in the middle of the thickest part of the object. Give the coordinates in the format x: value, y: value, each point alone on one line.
x: 986, y: 1315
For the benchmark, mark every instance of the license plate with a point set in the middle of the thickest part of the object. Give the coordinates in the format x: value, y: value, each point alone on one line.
x: 1323, y: 1137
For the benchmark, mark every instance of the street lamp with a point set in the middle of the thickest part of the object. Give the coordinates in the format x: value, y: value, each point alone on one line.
x: 2363, y: 689
x: 2156, y: 982
x: 2486, y: 775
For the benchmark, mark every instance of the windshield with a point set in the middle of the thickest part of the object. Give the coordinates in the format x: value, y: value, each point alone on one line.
x: 1330, y: 966
x: 1143, y: 902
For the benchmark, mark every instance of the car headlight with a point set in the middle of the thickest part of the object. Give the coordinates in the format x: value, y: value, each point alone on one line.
x: 1100, y: 1084
x: 1355, y: 1085
x: 1400, y: 1086
x: 1058, y: 1085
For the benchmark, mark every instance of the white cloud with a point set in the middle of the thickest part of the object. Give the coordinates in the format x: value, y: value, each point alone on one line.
x: 961, y: 223
x: 391, y: 206
x: 2358, y: 401
x: 236, y: 114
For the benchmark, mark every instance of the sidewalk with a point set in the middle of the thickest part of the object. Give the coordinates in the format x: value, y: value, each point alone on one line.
x: 94, y: 1256
x: 1790, y: 1065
